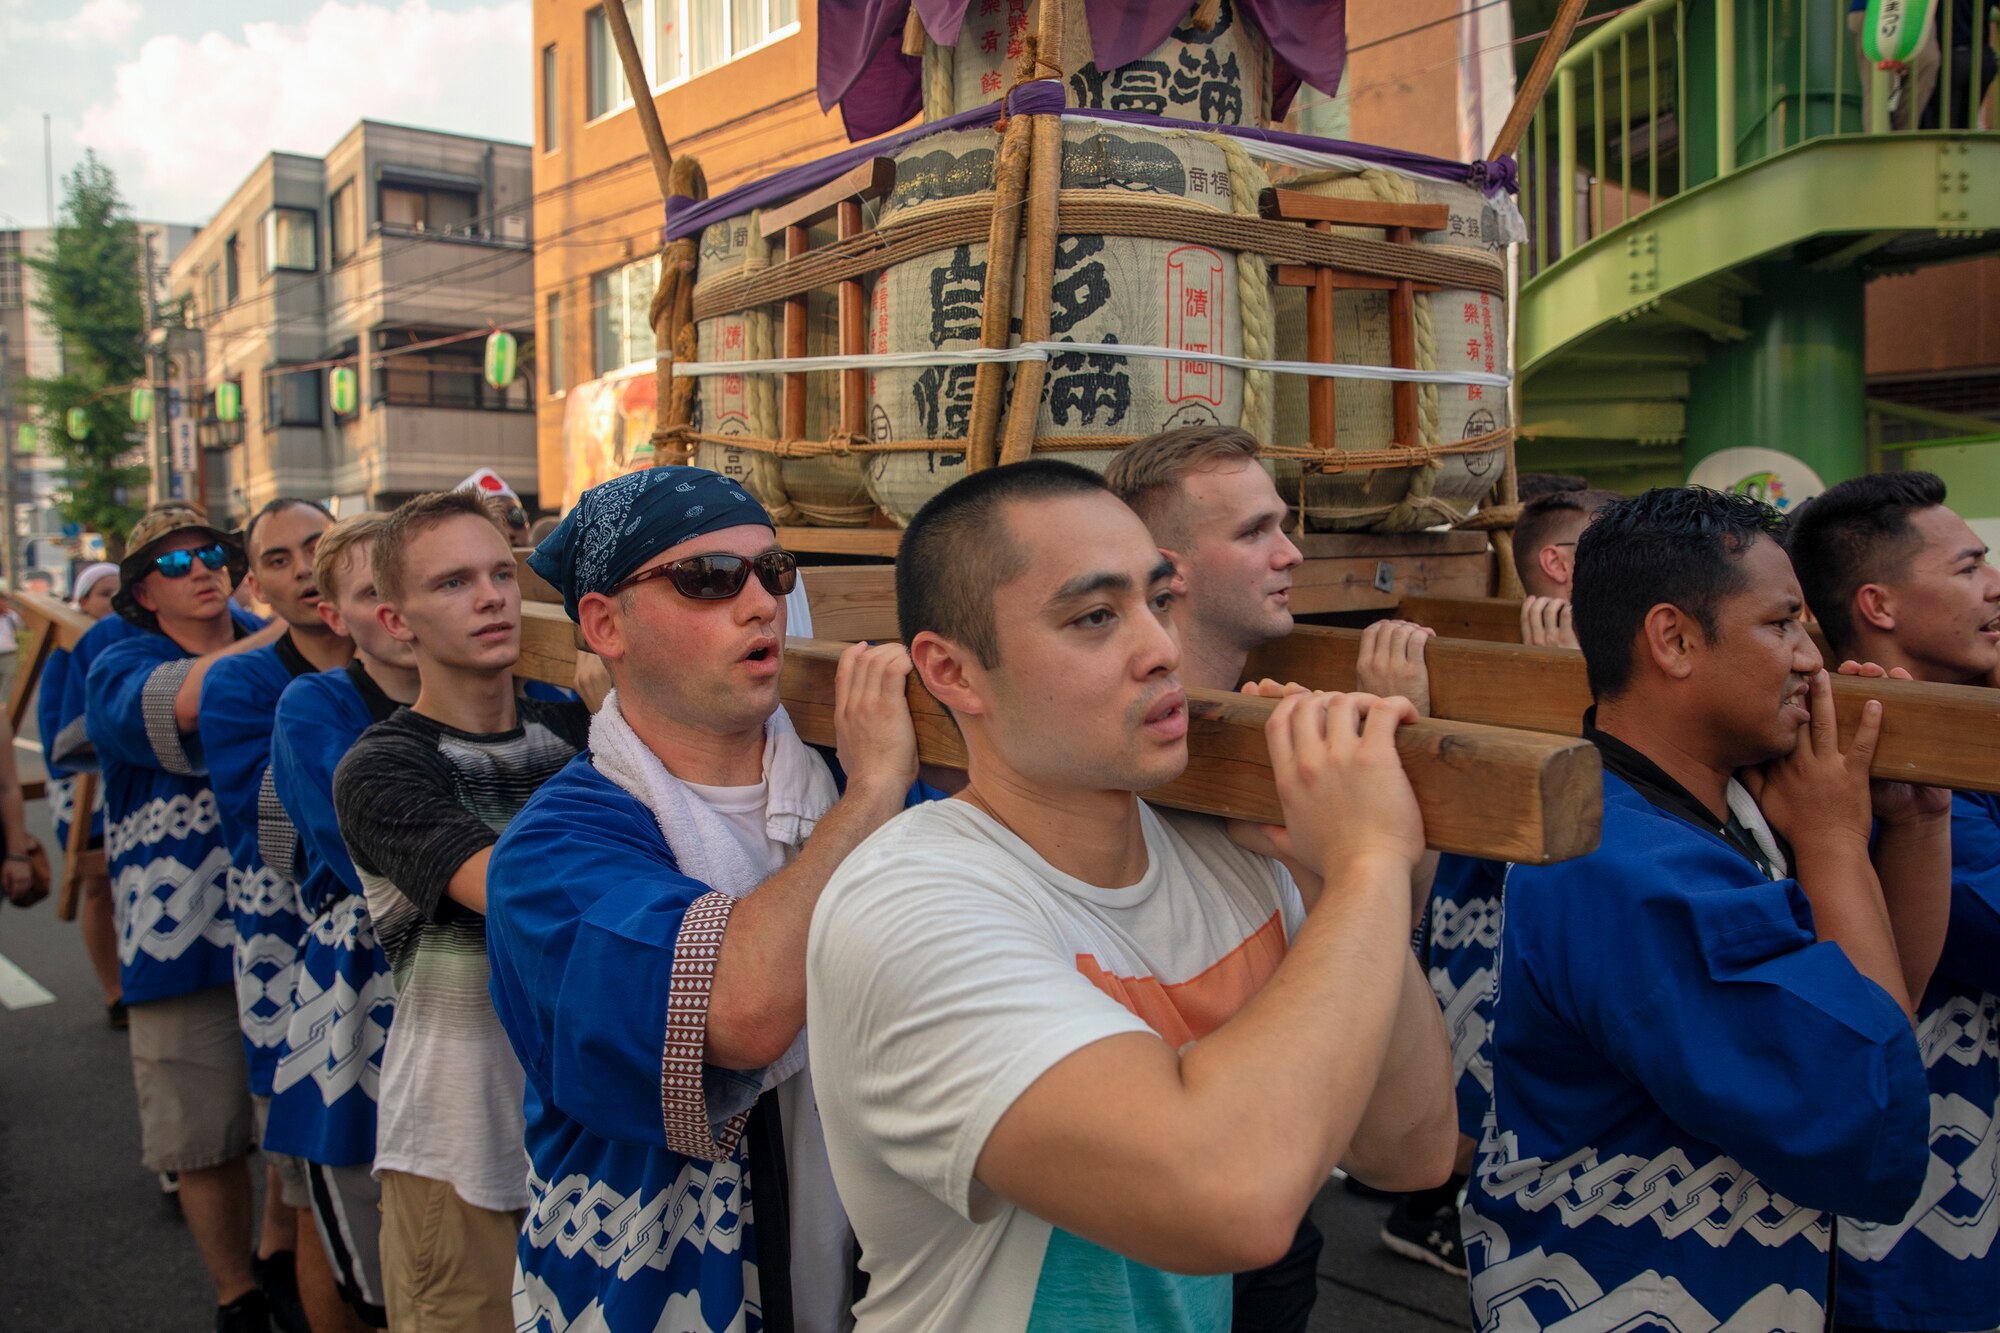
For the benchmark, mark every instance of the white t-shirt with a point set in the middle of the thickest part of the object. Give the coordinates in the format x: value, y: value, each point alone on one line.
x: 820, y: 1266
x: 949, y: 967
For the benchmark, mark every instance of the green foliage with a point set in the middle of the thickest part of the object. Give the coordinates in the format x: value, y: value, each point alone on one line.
x: 90, y: 285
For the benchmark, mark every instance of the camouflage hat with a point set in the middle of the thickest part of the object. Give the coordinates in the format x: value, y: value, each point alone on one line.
x: 154, y: 527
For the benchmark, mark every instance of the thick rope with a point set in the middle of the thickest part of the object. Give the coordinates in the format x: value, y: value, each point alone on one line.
x: 1085, y: 212
x: 1314, y: 460
x: 1253, y: 284
x: 940, y: 80
x: 673, y: 322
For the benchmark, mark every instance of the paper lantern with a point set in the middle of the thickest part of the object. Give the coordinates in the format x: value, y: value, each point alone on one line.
x: 29, y: 437
x: 78, y: 422
x: 142, y: 404
x: 228, y: 400
x: 343, y: 390
x: 502, y: 358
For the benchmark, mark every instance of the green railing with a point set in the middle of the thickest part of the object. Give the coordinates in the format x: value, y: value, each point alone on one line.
x: 1669, y: 94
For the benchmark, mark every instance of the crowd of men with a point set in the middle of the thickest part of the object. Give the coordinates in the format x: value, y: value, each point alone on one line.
x: 634, y: 1011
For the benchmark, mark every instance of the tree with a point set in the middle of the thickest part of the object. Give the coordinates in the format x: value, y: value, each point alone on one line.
x: 90, y: 294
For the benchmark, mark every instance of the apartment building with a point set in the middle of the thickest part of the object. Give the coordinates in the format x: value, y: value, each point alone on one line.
x: 395, y: 255
x: 33, y: 351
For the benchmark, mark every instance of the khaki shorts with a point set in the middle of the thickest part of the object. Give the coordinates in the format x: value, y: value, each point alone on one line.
x: 292, y: 1187
x: 194, y: 1090
x: 447, y: 1266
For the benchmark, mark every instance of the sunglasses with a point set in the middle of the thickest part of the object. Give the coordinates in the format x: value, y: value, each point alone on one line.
x: 717, y: 578
x: 178, y: 564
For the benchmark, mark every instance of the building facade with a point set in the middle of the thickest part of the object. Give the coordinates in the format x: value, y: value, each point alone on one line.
x: 33, y: 351
x: 392, y: 257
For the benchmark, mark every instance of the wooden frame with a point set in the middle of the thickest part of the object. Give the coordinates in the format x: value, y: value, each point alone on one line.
x: 1484, y: 791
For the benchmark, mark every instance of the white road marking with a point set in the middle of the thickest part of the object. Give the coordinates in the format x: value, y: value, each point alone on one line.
x: 18, y: 990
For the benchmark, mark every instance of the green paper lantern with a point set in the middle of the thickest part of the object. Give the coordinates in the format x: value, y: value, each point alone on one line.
x: 502, y: 358
x: 228, y: 401
x: 78, y: 422
x: 142, y: 404
x: 343, y: 389
x: 1892, y: 30
x: 30, y: 438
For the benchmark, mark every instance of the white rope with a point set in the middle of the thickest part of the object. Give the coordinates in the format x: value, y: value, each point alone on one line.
x: 1043, y: 351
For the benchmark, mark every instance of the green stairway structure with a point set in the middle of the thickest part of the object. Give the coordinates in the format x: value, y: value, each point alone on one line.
x: 1708, y: 186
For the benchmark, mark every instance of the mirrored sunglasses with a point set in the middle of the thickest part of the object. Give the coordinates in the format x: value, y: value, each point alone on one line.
x: 717, y: 578
x: 177, y: 564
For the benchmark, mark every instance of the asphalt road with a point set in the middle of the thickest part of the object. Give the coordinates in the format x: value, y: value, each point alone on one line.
x: 88, y: 1244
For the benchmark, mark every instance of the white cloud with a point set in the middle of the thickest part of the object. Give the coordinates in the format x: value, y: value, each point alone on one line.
x: 98, y: 23
x: 189, y: 118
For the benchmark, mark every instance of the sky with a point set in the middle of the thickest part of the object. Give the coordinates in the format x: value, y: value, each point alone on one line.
x: 182, y: 98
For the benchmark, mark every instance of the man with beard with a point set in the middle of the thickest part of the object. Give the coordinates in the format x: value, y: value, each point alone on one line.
x: 239, y: 700
x: 169, y: 875
x: 648, y: 928
x: 1072, y: 1049
x: 1901, y: 584
x: 1701, y: 1034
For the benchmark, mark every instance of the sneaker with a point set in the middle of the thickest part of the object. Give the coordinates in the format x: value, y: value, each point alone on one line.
x: 1427, y: 1233
x: 248, y: 1313
x: 278, y: 1279
x: 114, y: 1014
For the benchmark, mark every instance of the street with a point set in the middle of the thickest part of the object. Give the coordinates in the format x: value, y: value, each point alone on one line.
x: 90, y: 1245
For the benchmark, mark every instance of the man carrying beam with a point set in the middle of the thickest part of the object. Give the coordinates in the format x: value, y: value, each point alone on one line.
x: 1900, y: 582
x: 1545, y: 538
x: 1702, y: 1047
x: 1071, y: 1048
x: 647, y: 925
x: 1213, y: 510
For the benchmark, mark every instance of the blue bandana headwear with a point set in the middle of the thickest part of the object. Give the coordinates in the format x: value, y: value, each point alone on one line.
x: 621, y: 524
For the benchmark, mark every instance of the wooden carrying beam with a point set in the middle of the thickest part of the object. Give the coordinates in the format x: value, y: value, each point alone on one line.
x: 1941, y: 735
x: 1498, y: 619
x: 1485, y: 791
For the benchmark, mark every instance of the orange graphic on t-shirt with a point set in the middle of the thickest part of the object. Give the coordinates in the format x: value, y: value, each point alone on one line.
x: 1185, y: 1011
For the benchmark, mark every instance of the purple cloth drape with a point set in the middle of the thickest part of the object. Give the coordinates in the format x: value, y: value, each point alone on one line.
x: 863, y: 71
x: 1044, y: 97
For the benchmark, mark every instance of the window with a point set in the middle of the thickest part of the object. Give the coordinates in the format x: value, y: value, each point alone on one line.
x: 291, y: 398
x: 452, y: 376
x: 420, y: 208
x: 291, y: 240
x: 605, y: 74
x: 211, y: 290
x: 620, y: 300
x: 10, y: 272
x: 232, y: 271
x: 552, y: 343
x: 694, y: 36
x: 549, y: 98
x: 343, y: 222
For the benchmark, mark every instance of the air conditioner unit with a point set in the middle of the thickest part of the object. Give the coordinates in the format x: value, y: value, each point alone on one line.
x: 514, y: 227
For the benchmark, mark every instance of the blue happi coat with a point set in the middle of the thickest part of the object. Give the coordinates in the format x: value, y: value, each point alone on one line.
x: 587, y: 922
x: 1937, y: 1268
x: 163, y: 834
x: 323, y: 1096
x: 1461, y: 953
x: 66, y: 748
x: 1687, y: 1086
x: 239, y: 703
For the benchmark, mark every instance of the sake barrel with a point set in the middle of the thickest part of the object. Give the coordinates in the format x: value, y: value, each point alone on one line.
x: 825, y: 490
x: 1107, y: 290
x: 1217, y: 75
x: 1458, y: 329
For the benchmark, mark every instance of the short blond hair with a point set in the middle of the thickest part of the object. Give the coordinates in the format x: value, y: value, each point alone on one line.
x: 336, y: 542
x: 410, y: 520
x: 1147, y: 475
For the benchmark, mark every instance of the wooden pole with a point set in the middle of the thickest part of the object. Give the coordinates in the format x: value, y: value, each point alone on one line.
x: 1938, y: 735
x: 76, y: 851
x: 1537, y: 82
x: 1010, y: 179
x: 1039, y: 222
x: 642, y: 95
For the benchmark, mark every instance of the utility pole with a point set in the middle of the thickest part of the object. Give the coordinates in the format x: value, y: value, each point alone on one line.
x: 13, y: 537
x: 49, y: 168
